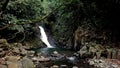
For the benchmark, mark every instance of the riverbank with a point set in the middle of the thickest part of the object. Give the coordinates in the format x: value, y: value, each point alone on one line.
x: 17, y: 55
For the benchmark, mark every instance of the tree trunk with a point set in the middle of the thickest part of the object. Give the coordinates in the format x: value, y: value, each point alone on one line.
x: 5, y: 3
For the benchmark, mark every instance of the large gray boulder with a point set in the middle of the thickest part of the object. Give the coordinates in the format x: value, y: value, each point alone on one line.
x: 26, y: 63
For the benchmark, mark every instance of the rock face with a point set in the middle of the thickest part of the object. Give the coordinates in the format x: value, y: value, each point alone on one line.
x: 92, y: 50
x: 81, y: 36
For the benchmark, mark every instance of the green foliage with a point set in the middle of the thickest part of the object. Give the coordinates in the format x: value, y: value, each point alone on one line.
x: 90, y: 14
x: 19, y: 28
x: 63, y: 22
x: 22, y: 10
x: 19, y: 12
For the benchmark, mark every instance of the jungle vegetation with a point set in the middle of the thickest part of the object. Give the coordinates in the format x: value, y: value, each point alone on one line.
x: 19, y: 20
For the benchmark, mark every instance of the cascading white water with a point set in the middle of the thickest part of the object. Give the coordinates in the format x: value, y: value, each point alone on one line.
x: 44, y: 38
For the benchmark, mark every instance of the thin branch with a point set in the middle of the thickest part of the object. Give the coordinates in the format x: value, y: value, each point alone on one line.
x: 23, y: 37
x: 14, y: 35
x: 6, y: 26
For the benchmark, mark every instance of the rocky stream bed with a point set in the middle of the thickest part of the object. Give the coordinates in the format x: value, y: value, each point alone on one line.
x: 20, y: 56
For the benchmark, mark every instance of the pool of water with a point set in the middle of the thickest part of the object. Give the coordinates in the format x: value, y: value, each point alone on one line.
x: 51, y: 50
x: 68, y: 60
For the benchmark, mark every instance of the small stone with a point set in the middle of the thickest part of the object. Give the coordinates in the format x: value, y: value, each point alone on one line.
x: 63, y: 66
x: 2, y: 61
x: 39, y: 54
x: 91, y: 62
x: 2, y: 53
x: 31, y: 53
x: 1, y: 49
x: 71, y: 58
x: 55, y: 66
x: 16, y: 50
x: 114, y: 65
x: 102, y: 65
x: 55, y: 52
x: 101, y: 61
x: 18, y: 44
x: 23, y: 51
x: 76, y: 54
x: 41, y: 59
x: 74, y: 67
x: 34, y: 58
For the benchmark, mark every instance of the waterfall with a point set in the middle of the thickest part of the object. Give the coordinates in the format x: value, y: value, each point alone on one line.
x: 44, y: 37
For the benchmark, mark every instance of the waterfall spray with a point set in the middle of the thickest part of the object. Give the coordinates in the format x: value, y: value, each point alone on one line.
x: 44, y: 37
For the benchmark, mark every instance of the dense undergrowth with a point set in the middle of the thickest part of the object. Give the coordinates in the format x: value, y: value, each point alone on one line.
x: 70, y: 22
